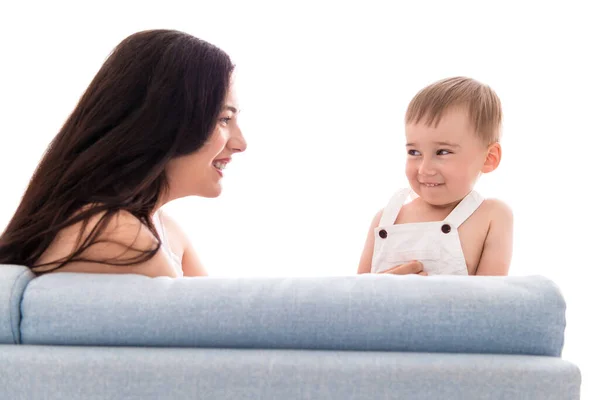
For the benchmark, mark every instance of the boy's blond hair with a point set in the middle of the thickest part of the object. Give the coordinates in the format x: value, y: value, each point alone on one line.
x: 481, y: 102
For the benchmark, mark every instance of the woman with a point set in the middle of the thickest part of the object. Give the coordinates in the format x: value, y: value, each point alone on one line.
x: 158, y: 122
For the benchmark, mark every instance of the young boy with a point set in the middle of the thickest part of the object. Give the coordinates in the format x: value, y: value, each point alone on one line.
x: 452, y: 137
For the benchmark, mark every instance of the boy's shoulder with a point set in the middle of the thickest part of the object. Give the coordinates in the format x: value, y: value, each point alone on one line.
x: 496, y: 209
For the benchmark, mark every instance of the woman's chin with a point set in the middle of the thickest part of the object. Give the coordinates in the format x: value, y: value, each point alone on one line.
x: 211, y: 192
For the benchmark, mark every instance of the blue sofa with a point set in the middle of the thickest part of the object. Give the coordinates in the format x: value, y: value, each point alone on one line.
x: 82, y: 336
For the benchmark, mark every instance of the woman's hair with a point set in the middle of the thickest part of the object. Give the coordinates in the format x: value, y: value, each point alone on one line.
x: 157, y: 96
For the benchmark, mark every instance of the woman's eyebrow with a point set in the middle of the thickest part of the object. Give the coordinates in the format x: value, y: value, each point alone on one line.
x: 231, y: 108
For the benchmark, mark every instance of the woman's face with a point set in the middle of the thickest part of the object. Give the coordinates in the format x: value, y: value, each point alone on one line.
x: 200, y: 173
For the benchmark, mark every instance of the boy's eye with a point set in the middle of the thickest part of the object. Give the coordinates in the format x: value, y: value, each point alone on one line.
x: 412, y: 152
x: 443, y: 152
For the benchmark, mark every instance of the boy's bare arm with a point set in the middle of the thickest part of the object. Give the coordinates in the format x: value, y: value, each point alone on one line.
x: 364, y: 267
x: 498, y: 246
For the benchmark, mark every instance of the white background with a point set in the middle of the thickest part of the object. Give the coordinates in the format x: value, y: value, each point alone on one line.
x: 323, y: 89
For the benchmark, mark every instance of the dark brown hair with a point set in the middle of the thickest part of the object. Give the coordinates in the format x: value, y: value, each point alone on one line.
x: 157, y: 96
x: 480, y: 101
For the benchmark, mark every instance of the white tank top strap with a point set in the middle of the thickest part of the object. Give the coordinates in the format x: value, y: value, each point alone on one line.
x: 464, y: 209
x: 160, y: 228
x: 391, y: 210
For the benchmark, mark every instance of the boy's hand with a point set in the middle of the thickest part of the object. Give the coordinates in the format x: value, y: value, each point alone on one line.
x: 413, y: 267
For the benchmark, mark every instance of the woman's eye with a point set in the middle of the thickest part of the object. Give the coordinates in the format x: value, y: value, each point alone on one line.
x: 225, y: 121
x: 413, y: 153
x: 443, y: 152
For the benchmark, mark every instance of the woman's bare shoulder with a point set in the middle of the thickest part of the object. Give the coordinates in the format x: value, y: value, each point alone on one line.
x: 123, y: 238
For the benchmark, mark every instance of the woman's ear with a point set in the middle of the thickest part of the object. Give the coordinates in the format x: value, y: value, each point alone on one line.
x: 492, y: 160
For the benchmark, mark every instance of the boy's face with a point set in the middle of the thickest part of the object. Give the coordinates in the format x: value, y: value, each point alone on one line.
x: 444, y: 162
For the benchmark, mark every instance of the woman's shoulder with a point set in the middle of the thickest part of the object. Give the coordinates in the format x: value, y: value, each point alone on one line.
x: 109, y: 242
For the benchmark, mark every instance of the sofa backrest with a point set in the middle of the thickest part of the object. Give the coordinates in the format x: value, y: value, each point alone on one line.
x: 506, y: 315
x: 13, y: 280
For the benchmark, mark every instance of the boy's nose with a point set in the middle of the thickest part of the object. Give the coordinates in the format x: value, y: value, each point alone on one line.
x: 426, y: 169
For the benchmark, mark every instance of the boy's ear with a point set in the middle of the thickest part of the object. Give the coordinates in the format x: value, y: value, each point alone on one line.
x: 492, y: 160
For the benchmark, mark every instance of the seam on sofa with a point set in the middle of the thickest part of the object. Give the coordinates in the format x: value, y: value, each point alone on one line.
x: 16, y: 330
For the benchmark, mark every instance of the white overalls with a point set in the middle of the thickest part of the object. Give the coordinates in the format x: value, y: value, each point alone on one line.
x: 435, y: 244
